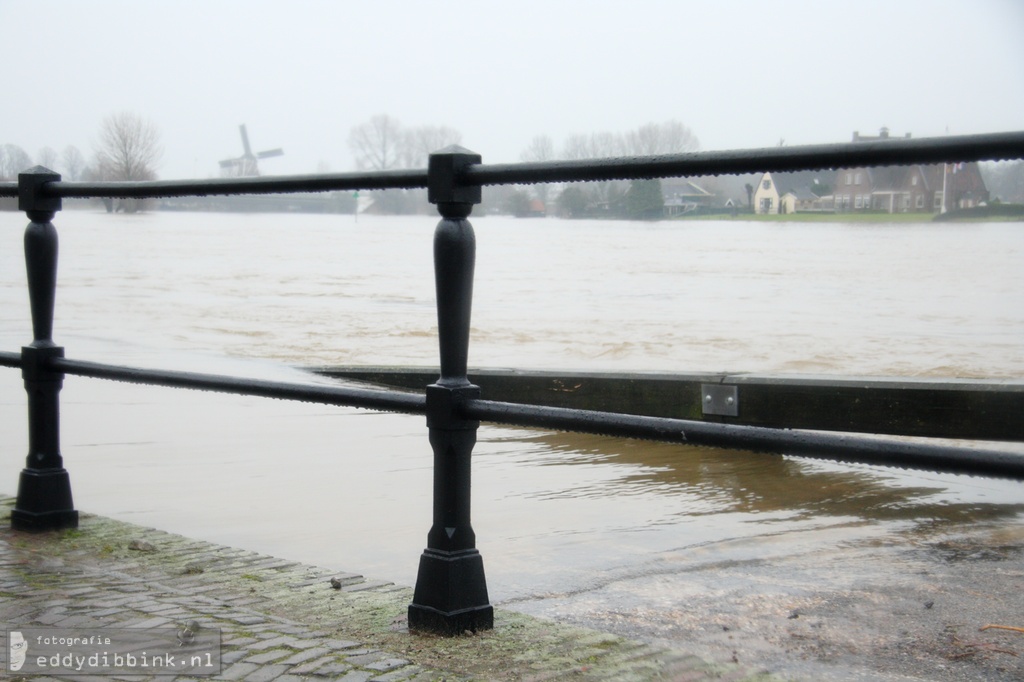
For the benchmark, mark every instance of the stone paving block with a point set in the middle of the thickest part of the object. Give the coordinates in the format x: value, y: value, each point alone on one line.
x: 269, y: 656
x: 365, y: 660
x: 307, y: 655
x: 310, y: 640
x: 50, y: 618
x: 387, y: 664
x: 356, y: 676
x: 238, y: 671
x: 403, y: 674
x: 81, y: 591
x: 158, y: 622
x: 309, y: 666
x: 230, y: 639
x: 274, y: 640
x: 267, y: 673
x: 103, y: 613
x: 76, y: 622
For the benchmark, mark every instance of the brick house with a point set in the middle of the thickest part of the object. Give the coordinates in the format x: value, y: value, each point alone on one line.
x: 904, y: 189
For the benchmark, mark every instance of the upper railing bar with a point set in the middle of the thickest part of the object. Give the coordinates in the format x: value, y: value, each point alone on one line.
x: 900, y: 151
x: 388, y: 401
x: 290, y: 184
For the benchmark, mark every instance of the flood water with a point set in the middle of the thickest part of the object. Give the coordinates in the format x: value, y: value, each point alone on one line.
x: 260, y: 295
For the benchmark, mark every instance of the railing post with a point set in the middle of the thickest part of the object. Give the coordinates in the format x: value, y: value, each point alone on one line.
x: 44, y: 489
x: 451, y: 592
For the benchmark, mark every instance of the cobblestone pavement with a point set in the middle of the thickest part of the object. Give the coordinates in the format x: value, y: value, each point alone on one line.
x: 281, y: 620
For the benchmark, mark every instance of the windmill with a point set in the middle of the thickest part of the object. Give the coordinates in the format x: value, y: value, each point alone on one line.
x: 246, y: 165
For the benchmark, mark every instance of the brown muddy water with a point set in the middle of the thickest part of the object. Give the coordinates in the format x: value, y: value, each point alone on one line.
x: 714, y: 548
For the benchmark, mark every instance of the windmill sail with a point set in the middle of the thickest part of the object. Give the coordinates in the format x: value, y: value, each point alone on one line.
x: 246, y: 165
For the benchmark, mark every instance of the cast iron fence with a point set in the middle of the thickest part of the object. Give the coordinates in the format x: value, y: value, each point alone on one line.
x: 451, y: 593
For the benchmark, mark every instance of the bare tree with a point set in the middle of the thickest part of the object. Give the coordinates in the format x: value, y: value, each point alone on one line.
x: 74, y: 162
x: 541, y: 148
x: 47, y: 157
x: 593, y: 146
x: 376, y: 144
x: 670, y: 137
x: 129, y: 147
x: 13, y: 160
x: 592, y: 196
x: 419, y: 143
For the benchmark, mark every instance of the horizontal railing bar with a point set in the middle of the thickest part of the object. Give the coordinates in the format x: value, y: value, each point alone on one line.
x: 852, y: 449
x: 900, y: 151
x: 841, y: 448
x: 285, y: 184
x: 388, y: 401
x: 988, y: 147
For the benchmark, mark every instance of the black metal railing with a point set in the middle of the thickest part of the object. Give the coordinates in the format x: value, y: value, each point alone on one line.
x: 451, y: 592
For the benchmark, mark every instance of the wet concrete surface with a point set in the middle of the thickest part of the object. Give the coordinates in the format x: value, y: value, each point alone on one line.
x: 906, y: 605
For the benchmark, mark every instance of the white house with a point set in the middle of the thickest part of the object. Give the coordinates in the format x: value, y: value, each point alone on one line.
x: 766, y: 196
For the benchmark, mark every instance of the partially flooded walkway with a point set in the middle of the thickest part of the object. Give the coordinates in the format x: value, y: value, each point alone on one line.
x: 282, y: 620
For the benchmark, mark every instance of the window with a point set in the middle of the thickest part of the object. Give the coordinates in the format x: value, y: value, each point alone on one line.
x: 857, y: 179
x: 767, y: 184
x: 920, y: 201
x: 849, y: 178
x: 913, y: 181
x: 858, y: 202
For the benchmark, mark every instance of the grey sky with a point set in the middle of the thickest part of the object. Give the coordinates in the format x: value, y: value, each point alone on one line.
x: 301, y: 73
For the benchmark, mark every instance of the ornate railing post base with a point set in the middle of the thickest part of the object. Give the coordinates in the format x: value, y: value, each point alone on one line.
x: 451, y: 594
x: 44, y: 501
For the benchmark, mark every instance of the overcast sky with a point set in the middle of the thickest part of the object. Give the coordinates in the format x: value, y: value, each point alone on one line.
x: 302, y: 73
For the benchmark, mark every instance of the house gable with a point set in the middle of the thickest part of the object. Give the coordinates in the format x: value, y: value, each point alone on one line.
x: 766, y: 195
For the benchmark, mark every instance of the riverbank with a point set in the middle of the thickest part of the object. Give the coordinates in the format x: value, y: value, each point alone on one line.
x: 994, y: 213
x: 282, y: 620
x: 865, y: 218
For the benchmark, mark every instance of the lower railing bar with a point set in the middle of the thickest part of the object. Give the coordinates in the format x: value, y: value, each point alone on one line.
x: 388, y: 401
x: 840, y: 448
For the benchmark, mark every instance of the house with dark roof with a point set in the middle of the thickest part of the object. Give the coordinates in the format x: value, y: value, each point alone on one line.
x: 933, y: 188
x: 683, y: 196
x: 789, y: 192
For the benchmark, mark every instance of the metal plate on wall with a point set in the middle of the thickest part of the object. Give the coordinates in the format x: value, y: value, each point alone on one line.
x: 720, y: 399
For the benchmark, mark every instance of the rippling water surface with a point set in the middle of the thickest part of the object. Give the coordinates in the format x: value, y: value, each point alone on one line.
x: 260, y: 294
